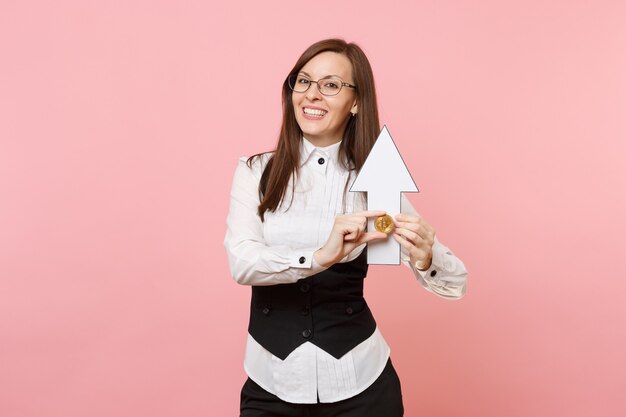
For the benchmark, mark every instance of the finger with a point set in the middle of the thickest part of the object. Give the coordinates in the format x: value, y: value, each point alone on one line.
x: 352, y: 232
x: 369, y: 236
x: 420, y: 228
x: 414, y: 223
x: 358, y: 221
x: 354, y: 225
x: 409, y: 248
x: 414, y: 219
x: 408, y: 217
x: 351, y: 218
x: 414, y: 227
x: 415, y: 233
x: 370, y: 213
x: 350, y: 235
x: 403, y: 242
x: 407, y: 234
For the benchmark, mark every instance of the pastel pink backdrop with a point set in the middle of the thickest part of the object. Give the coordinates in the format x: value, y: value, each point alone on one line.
x: 120, y: 126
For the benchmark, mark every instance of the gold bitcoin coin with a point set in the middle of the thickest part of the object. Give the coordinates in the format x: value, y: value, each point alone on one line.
x: 384, y: 224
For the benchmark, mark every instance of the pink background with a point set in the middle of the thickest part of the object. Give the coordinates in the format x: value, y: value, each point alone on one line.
x: 120, y: 126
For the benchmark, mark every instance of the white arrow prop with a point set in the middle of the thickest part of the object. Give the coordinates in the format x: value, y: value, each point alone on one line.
x: 384, y: 176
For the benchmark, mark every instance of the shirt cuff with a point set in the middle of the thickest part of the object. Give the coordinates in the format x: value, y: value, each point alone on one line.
x: 439, y: 277
x: 438, y: 266
x: 430, y: 274
x: 304, y: 259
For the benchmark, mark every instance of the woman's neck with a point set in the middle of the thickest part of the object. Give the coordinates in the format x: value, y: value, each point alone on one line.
x: 322, y: 143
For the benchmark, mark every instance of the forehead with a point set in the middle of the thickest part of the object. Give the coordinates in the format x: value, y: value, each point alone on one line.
x: 328, y: 63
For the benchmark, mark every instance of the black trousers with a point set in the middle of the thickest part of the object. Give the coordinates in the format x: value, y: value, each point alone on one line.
x: 381, y: 399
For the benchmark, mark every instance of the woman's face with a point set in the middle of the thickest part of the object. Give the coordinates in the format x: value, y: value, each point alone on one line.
x: 323, y: 119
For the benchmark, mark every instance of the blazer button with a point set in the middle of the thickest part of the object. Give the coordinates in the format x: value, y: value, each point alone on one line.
x: 266, y: 311
x: 433, y: 273
x: 302, y: 259
x: 306, y: 333
x: 320, y: 161
x: 349, y: 311
x: 305, y: 311
x: 305, y: 287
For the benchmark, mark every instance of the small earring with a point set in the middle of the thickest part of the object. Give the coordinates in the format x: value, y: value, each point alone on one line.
x: 353, y: 114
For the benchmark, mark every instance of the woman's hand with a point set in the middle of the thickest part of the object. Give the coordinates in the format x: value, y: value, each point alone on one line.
x: 347, y: 233
x: 417, y: 237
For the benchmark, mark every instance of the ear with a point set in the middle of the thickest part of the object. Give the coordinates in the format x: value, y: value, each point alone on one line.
x: 355, y: 108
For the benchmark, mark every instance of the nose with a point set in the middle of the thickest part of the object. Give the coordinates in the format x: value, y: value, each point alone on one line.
x: 313, y: 92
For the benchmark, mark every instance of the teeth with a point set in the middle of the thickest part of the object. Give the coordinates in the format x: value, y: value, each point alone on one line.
x: 314, y: 112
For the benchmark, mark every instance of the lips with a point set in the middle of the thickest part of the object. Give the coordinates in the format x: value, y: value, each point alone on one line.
x: 314, y: 112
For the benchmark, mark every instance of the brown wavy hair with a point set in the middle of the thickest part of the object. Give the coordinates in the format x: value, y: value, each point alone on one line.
x: 358, y: 139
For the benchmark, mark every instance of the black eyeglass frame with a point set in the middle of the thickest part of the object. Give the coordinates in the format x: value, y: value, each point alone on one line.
x: 295, y: 77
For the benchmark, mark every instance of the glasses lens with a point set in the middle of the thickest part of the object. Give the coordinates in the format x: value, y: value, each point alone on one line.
x: 330, y: 86
x: 299, y: 83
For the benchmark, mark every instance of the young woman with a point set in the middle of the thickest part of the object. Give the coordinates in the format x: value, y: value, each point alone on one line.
x: 298, y: 237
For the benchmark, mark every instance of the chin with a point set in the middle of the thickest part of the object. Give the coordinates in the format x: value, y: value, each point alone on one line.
x: 308, y: 130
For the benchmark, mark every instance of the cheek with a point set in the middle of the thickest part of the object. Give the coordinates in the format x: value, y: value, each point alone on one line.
x: 294, y: 101
x: 296, y: 110
x: 340, y: 109
x: 342, y: 113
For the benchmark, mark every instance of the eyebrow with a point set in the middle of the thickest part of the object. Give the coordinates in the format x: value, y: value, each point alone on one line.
x: 326, y: 76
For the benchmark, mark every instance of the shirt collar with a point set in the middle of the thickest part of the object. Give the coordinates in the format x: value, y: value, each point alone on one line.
x: 307, y: 149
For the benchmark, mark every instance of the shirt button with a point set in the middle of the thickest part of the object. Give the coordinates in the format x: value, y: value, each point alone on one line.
x: 302, y: 259
x: 433, y: 273
x: 305, y: 311
x: 320, y: 161
x: 305, y: 287
x: 266, y: 311
x: 349, y: 311
x: 306, y: 333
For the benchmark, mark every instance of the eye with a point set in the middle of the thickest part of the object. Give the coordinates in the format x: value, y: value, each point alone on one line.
x: 302, y: 80
x: 331, y: 84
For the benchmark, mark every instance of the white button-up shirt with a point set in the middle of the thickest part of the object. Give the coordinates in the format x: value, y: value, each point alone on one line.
x: 280, y: 251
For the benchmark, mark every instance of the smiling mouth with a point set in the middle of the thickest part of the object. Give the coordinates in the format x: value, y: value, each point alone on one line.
x: 314, y: 112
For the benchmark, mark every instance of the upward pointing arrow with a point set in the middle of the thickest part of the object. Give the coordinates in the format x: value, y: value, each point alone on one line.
x: 384, y: 177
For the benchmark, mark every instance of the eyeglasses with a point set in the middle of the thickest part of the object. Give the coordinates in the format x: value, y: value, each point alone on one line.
x: 328, y: 86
